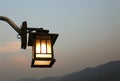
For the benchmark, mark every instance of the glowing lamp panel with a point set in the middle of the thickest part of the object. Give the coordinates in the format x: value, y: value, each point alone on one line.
x: 42, y: 52
x: 43, y: 46
x: 43, y: 56
x: 37, y: 63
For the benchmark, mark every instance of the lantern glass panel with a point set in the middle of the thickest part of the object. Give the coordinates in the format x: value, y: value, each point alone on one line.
x: 37, y: 62
x: 49, y: 46
x: 43, y: 46
x: 38, y: 46
x: 43, y: 56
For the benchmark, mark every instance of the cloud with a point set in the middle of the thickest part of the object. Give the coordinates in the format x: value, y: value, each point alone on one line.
x: 10, y: 47
x: 14, y: 67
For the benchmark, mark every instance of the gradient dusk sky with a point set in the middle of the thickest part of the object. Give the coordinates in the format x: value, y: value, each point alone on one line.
x: 89, y: 35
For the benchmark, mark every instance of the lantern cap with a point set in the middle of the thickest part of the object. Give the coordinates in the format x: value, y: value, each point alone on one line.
x: 38, y: 30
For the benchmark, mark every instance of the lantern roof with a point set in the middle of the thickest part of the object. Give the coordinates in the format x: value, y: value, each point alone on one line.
x: 41, y: 32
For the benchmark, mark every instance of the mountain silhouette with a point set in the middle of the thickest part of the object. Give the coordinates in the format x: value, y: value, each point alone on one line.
x: 28, y: 79
x: 106, y: 72
x: 50, y: 79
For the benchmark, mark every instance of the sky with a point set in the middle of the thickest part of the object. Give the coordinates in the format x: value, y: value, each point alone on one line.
x: 89, y: 35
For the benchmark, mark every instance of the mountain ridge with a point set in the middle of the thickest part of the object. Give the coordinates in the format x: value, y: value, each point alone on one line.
x: 105, y: 72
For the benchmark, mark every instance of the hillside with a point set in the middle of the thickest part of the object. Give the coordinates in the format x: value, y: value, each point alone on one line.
x: 106, y: 72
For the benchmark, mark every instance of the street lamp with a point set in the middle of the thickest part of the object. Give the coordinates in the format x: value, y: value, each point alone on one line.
x: 41, y: 41
x: 42, y: 47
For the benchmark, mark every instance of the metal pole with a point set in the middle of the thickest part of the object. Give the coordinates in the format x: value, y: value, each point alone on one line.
x: 11, y: 23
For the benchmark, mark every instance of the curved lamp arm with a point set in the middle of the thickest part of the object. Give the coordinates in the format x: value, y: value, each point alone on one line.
x: 11, y: 23
x: 21, y: 31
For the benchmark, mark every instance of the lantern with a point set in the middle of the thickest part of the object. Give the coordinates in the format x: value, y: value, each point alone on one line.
x: 42, y: 48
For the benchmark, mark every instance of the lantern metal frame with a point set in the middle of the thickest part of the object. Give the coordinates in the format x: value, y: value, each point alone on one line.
x: 22, y: 33
x: 32, y: 37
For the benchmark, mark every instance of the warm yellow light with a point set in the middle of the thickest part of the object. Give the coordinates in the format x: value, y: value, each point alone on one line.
x: 42, y: 62
x: 37, y: 46
x: 49, y: 46
x: 43, y: 46
x: 43, y: 55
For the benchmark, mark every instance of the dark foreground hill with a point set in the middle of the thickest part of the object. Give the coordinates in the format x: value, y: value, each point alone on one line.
x: 106, y: 72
